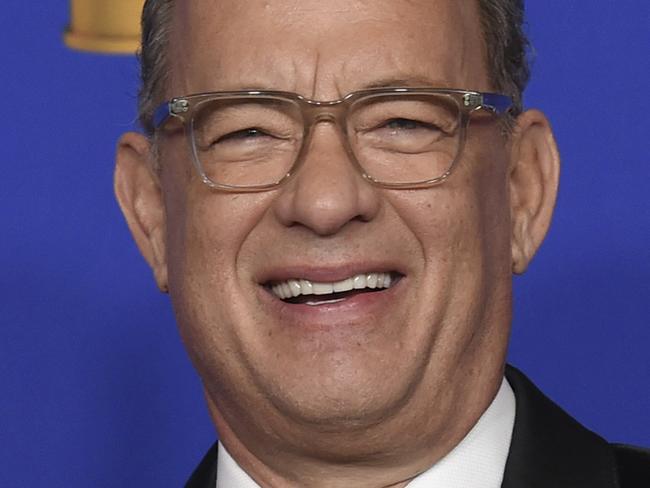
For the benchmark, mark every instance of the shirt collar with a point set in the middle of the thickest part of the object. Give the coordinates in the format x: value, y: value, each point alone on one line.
x: 479, y: 460
x: 230, y: 474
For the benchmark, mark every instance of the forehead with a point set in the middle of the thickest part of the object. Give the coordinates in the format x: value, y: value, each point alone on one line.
x: 325, y: 49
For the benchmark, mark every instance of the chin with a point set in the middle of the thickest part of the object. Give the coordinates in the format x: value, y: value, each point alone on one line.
x: 343, y: 400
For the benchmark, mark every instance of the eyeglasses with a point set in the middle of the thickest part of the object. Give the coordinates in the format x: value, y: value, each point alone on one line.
x: 248, y: 141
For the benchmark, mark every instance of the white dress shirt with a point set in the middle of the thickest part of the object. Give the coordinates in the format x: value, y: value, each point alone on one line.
x: 478, y: 461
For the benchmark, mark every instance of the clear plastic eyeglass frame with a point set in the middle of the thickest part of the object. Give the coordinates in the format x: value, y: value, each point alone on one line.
x: 183, y: 110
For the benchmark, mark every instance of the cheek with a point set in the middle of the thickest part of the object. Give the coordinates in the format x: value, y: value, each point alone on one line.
x: 205, y: 234
x: 492, y: 199
x: 482, y: 188
x: 463, y: 230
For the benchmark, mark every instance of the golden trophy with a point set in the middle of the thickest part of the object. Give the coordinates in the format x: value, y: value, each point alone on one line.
x: 104, y: 26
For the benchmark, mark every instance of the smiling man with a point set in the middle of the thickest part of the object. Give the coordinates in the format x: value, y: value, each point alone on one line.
x: 336, y: 196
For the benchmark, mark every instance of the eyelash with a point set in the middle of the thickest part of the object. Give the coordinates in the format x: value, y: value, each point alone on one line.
x: 242, y: 134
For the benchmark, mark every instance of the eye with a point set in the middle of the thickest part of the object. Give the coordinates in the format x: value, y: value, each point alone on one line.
x: 242, y: 135
x: 401, y: 124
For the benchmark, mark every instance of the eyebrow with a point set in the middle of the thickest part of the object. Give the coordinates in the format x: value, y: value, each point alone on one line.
x: 407, y: 81
x: 399, y: 81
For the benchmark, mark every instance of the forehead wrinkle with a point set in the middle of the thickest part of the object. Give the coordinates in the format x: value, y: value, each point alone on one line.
x: 276, y: 73
x: 439, y: 71
x: 314, y: 84
x: 389, y: 71
x: 302, y: 8
x: 272, y: 72
x: 307, y: 67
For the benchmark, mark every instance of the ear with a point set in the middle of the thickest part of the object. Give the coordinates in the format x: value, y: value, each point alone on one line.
x: 138, y: 193
x: 533, y: 179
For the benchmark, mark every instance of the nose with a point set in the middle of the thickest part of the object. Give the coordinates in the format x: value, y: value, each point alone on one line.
x: 327, y: 193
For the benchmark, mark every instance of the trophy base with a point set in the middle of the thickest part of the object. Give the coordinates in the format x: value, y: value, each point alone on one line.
x: 101, y: 44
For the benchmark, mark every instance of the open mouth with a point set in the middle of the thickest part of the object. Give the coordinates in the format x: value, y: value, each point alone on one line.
x: 302, y: 291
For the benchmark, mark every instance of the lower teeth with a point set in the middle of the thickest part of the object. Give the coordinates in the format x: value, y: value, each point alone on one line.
x: 324, y: 302
x: 328, y: 299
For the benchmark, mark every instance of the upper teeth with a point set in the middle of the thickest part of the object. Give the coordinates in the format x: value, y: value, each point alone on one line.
x: 296, y: 287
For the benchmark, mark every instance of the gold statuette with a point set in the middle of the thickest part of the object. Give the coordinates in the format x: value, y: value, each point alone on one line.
x: 105, y: 26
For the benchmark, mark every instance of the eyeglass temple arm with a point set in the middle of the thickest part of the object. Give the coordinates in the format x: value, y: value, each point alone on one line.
x: 175, y: 107
x: 496, y: 102
x: 160, y: 115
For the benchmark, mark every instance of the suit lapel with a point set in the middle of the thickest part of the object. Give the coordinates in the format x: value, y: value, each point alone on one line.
x: 550, y: 449
x: 205, y: 474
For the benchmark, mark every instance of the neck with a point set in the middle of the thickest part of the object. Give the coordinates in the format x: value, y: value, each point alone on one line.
x: 366, y: 459
x: 264, y: 476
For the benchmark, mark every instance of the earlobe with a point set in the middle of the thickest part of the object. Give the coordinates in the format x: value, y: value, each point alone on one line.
x: 533, y: 179
x: 139, y: 195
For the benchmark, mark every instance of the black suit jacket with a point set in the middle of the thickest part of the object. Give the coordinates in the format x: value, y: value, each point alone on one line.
x: 549, y: 449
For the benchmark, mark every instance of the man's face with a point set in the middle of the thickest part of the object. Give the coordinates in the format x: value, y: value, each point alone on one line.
x: 426, y: 351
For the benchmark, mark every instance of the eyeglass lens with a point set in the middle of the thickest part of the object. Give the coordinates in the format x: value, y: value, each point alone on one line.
x: 405, y: 138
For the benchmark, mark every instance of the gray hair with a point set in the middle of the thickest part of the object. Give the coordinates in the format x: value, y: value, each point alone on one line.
x: 501, y: 21
x: 153, y: 55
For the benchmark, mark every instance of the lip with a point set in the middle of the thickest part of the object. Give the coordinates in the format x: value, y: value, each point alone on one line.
x: 362, y: 310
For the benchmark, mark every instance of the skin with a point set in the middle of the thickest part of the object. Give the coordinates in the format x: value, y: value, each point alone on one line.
x: 371, y: 394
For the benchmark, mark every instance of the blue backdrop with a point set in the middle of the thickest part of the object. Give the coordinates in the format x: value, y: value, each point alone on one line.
x: 96, y: 389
